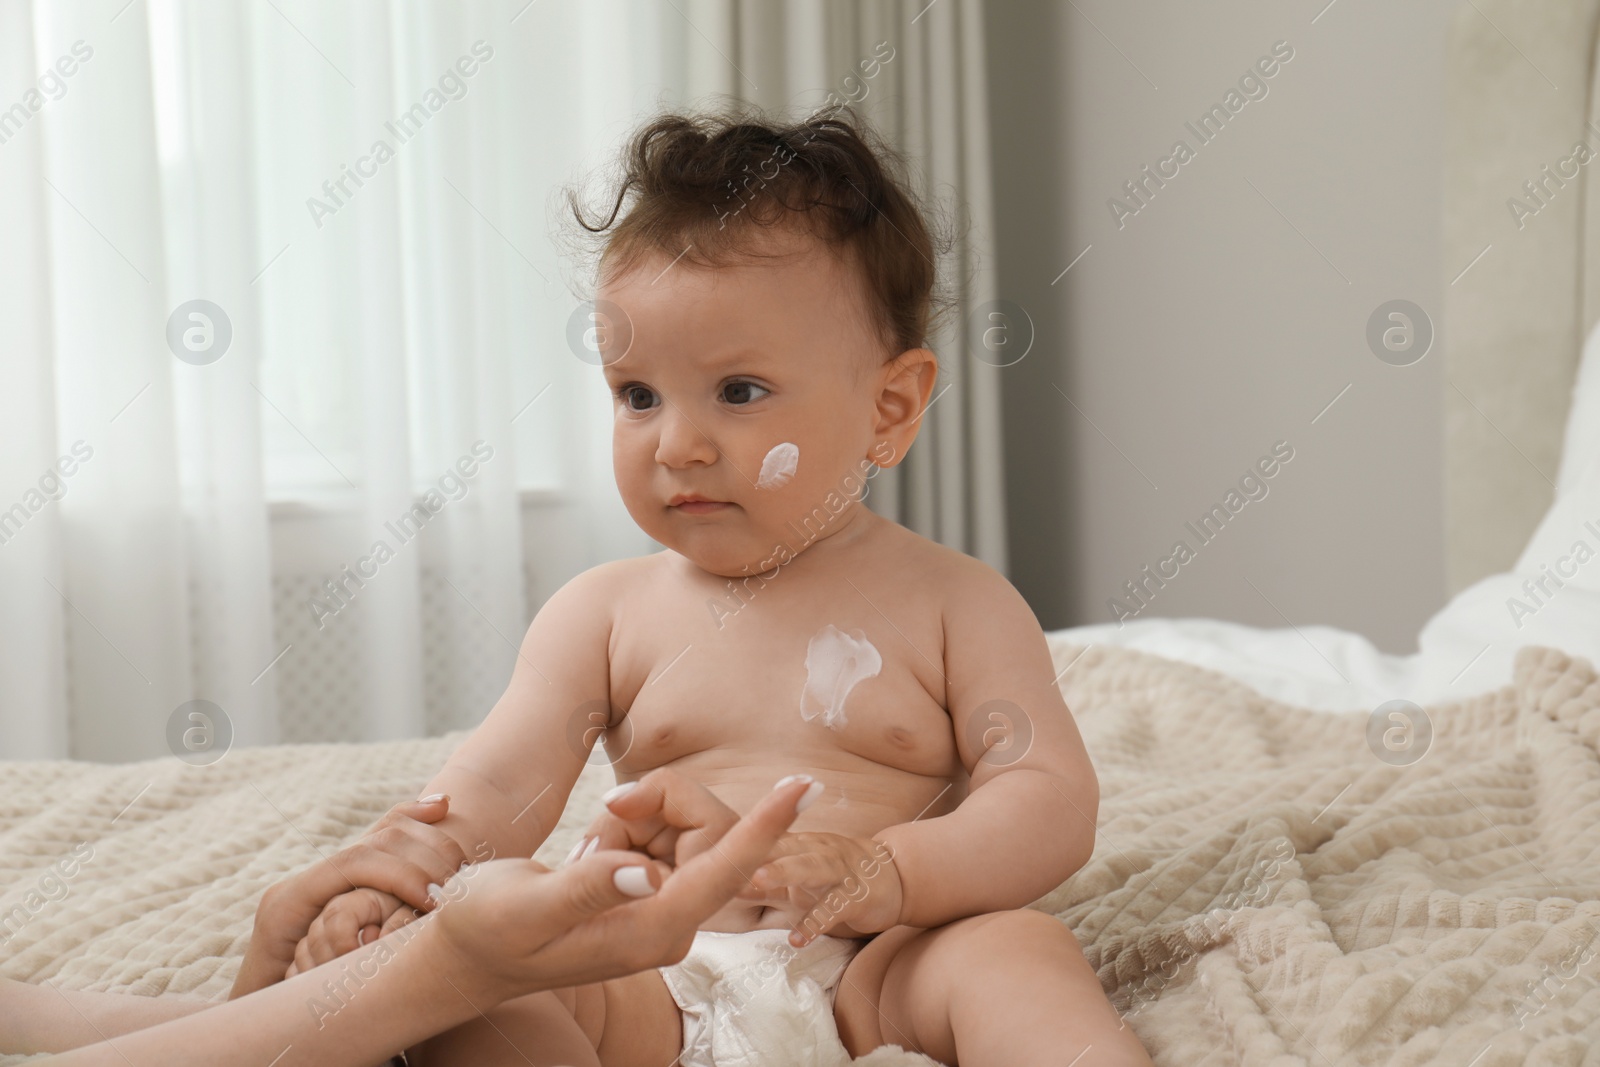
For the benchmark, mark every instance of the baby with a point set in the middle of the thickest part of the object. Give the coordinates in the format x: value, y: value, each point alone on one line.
x: 765, y: 349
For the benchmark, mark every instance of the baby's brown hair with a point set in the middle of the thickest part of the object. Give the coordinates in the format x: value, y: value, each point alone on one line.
x: 701, y: 180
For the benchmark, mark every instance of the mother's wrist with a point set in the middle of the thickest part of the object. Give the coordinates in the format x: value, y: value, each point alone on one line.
x: 403, y: 988
x: 439, y: 961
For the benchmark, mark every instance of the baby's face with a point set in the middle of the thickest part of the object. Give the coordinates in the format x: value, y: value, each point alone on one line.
x: 752, y: 386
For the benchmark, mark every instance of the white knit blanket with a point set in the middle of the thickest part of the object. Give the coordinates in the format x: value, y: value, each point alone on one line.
x: 1264, y: 889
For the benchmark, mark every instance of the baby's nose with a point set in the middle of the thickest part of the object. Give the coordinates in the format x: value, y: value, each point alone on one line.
x: 681, y: 443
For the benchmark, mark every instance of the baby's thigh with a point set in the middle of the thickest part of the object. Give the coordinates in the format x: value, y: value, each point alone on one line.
x: 864, y: 1024
x: 623, y: 1022
x: 919, y: 988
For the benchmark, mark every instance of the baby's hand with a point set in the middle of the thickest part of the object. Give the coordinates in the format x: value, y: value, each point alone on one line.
x: 665, y: 815
x: 349, y: 921
x: 289, y: 908
x: 845, y: 886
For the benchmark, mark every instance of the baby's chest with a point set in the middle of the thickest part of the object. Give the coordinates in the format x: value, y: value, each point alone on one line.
x: 784, y: 687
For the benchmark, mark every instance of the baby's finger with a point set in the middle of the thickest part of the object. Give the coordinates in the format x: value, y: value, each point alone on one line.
x: 400, y: 918
x: 630, y: 823
x: 806, y: 870
x: 303, y: 960
x: 763, y: 896
x: 338, y: 934
x: 666, y: 798
x: 793, y: 844
x: 339, y: 923
x: 319, y: 950
x: 657, y: 841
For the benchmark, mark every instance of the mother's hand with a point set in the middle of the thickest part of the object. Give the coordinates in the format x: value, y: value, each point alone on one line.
x: 506, y: 928
x: 289, y: 907
x: 515, y: 927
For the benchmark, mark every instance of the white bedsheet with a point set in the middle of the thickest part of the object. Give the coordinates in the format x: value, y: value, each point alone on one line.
x: 1465, y: 648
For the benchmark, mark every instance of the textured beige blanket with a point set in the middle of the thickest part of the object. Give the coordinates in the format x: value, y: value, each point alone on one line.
x: 1265, y: 890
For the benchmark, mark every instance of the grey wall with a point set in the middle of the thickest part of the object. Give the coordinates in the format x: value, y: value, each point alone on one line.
x: 1228, y: 312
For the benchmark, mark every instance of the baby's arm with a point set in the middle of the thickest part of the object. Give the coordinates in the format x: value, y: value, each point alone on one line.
x: 1028, y: 821
x: 1029, y: 770
x: 509, y: 781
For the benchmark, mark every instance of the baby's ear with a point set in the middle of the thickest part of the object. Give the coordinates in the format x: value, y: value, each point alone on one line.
x: 905, y: 388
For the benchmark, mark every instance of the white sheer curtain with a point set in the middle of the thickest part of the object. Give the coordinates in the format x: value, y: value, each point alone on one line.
x: 173, y: 522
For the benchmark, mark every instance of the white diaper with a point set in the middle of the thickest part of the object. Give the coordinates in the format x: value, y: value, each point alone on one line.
x: 750, y: 999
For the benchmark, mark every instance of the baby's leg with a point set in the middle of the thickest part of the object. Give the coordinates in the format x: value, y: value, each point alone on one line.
x: 41, y: 1018
x: 1004, y: 988
x: 623, y: 1022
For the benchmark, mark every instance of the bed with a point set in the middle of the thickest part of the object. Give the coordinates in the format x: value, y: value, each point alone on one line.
x: 1309, y: 852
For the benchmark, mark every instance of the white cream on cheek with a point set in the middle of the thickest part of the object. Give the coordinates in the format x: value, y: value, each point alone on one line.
x: 836, y: 662
x: 779, y: 466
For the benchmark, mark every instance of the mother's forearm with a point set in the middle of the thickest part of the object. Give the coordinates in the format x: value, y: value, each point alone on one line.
x: 42, y: 1018
x: 1012, y: 840
x: 352, y: 1011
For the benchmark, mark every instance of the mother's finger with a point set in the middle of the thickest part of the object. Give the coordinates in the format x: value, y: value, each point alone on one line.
x: 397, y: 828
x: 364, y: 864
x: 411, y: 845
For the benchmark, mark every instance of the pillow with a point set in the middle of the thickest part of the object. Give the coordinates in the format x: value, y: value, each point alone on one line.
x: 1569, y: 534
x: 1580, y: 452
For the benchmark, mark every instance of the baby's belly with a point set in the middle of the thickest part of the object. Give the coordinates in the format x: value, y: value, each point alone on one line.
x: 856, y: 801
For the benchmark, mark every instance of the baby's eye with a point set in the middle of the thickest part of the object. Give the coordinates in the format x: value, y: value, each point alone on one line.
x: 738, y: 393
x: 635, y: 397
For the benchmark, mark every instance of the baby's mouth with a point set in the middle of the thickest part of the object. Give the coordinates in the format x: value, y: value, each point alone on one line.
x: 691, y: 504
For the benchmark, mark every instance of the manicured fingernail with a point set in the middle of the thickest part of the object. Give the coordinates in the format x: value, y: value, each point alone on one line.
x: 813, y: 791
x: 433, y: 798
x: 435, y: 893
x: 634, y: 881
x: 573, y: 855
x: 593, y: 844
x: 616, y: 791
x: 464, y: 865
x: 792, y: 778
x: 361, y: 936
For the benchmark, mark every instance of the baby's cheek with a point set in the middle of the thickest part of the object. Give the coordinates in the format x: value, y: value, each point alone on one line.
x: 778, y: 466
